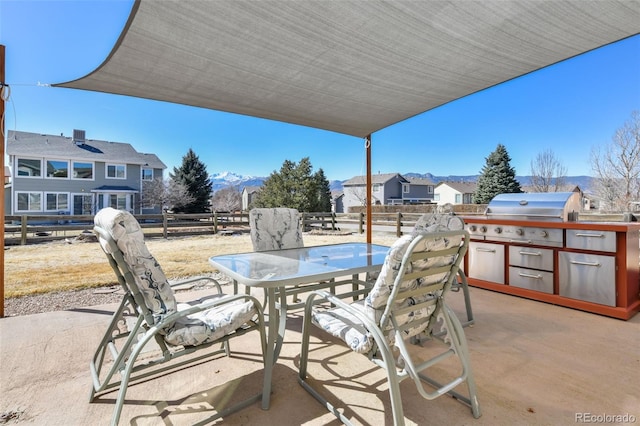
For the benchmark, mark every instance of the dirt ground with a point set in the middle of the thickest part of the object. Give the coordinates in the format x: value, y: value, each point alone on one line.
x: 63, y: 266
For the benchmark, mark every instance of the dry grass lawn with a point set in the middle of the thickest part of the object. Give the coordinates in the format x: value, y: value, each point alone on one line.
x: 60, y: 266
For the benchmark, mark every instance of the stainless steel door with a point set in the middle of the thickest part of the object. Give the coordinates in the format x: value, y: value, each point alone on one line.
x: 587, y: 277
x: 531, y: 279
x: 530, y: 257
x: 486, y: 262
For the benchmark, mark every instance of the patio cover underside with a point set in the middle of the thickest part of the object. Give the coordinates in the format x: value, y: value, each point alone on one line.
x: 352, y: 67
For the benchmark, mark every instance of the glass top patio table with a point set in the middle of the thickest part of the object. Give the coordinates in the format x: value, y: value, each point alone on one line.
x: 274, y: 270
x: 281, y: 268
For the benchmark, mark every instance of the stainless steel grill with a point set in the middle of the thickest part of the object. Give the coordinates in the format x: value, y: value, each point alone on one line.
x: 540, y: 206
x: 533, y: 245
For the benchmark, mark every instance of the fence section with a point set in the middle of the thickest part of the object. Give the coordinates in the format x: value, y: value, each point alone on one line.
x: 28, y: 229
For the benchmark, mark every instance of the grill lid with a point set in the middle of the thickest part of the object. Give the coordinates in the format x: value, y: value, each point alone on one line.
x: 541, y: 206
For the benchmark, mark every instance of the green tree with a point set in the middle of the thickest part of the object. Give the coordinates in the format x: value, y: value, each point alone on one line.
x: 193, y: 175
x: 497, y: 177
x: 324, y: 193
x: 297, y: 187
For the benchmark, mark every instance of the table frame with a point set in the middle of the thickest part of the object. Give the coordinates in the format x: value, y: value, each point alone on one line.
x: 314, y: 270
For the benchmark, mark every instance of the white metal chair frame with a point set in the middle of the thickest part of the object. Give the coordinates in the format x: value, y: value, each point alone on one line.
x: 453, y: 223
x: 401, y: 367
x: 122, y: 345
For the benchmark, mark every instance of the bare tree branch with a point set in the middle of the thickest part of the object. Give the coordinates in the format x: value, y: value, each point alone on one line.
x: 166, y: 194
x: 548, y: 174
x: 617, y: 167
x: 227, y: 199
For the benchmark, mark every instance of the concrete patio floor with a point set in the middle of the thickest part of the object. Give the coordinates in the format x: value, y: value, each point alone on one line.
x: 534, y: 364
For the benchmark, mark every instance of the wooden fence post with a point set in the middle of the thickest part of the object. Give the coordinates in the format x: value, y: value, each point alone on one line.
x: 23, y: 230
x: 361, y: 223
x: 215, y: 223
x: 165, y: 224
x: 399, y: 225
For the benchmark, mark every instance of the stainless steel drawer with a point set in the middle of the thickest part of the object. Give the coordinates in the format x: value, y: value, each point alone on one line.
x: 591, y: 240
x: 587, y: 277
x: 533, y: 280
x: 529, y: 257
x: 486, y: 262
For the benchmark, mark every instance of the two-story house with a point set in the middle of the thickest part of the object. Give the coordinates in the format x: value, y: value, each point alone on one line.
x: 74, y: 175
x: 455, y: 192
x: 417, y: 191
x: 387, y: 189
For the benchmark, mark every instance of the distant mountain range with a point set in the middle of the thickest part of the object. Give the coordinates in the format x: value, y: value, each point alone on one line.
x: 227, y: 179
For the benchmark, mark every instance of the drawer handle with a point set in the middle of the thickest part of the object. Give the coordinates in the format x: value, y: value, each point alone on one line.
x: 521, y: 241
x: 537, y: 277
x: 485, y: 250
x: 530, y: 253
x: 578, y: 234
x: 577, y: 262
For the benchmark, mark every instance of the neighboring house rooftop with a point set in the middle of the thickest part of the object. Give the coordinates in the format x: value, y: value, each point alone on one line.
x: 462, y: 187
x: 251, y: 189
x: 40, y: 145
x: 420, y: 181
x: 379, y: 178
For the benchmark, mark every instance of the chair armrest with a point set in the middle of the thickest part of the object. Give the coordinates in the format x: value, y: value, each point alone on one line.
x: 208, y: 305
x: 371, y: 326
x: 173, y: 284
x: 338, y: 302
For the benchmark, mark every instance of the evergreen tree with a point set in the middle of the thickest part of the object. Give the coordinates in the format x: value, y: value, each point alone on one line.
x: 297, y: 187
x: 193, y: 175
x: 324, y: 193
x: 497, y: 177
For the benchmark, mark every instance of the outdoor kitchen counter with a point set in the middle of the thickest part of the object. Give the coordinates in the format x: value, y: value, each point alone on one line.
x: 591, y: 266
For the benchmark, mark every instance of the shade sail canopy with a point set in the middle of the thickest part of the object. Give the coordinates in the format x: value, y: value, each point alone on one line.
x: 352, y: 67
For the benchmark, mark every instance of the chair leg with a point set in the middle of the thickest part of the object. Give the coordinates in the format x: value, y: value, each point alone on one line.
x: 394, y: 387
x: 460, y: 342
x: 467, y: 299
x: 109, y: 337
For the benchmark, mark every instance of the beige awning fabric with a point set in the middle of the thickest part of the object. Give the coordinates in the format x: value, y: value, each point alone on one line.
x: 352, y: 67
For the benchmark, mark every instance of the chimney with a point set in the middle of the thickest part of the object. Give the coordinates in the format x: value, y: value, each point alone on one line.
x: 79, y: 137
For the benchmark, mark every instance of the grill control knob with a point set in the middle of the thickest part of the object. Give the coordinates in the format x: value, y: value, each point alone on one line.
x: 472, y: 228
x: 520, y: 231
x: 483, y: 229
x: 498, y: 230
x: 544, y: 234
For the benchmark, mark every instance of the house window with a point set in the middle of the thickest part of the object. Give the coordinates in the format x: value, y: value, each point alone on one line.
x: 82, y: 204
x: 147, y: 174
x: 29, y: 167
x: 436, y: 197
x: 82, y: 170
x: 429, y: 189
x: 57, y: 201
x: 376, y: 187
x: 116, y: 171
x: 57, y: 169
x: 458, y: 198
x: 118, y: 201
x: 405, y: 188
x: 29, y: 201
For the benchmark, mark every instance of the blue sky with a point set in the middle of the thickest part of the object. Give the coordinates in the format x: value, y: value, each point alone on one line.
x: 568, y: 108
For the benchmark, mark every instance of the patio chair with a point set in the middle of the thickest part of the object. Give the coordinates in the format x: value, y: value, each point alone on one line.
x: 150, y: 313
x: 277, y: 229
x: 407, y: 302
x: 453, y: 223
